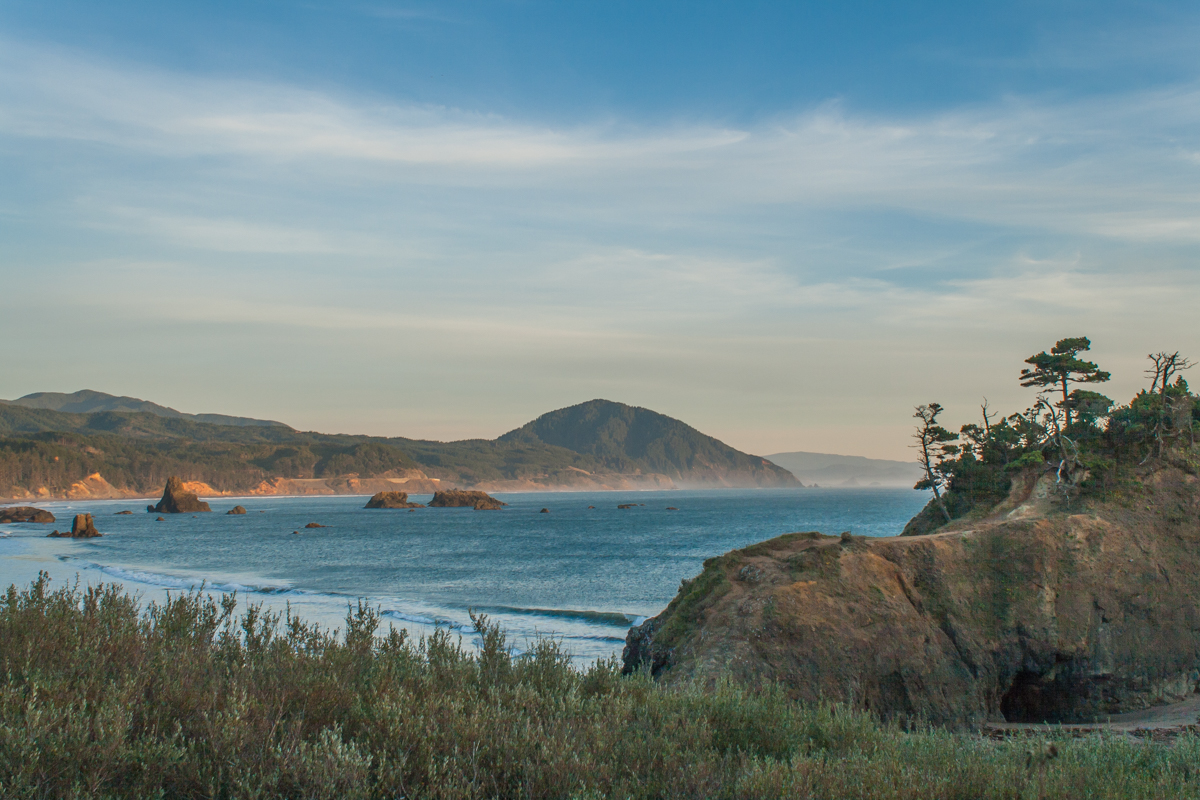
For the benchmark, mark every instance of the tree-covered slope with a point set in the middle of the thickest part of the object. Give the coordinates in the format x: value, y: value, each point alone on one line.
x: 91, y: 402
x: 629, y: 439
x: 43, y: 449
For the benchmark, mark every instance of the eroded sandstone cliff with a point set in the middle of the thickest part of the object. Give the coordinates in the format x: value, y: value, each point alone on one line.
x: 1037, y: 612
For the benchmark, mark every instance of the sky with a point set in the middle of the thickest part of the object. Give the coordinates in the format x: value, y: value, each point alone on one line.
x: 783, y: 223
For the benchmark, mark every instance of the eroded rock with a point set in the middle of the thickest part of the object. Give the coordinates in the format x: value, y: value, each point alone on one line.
x: 391, y: 500
x: 459, y: 498
x: 25, y: 514
x: 1069, y: 616
x: 82, y: 527
x: 236, y: 510
x: 176, y: 500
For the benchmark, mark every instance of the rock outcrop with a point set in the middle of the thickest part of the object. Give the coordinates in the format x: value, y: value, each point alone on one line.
x: 25, y: 514
x: 391, y: 500
x: 1038, y: 612
x: 83, y: 527
x: 176, y: 500
x: 237, y: 510
x: 458, y: 498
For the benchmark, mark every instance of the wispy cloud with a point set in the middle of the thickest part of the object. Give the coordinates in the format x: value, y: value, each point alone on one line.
x: 607, y: 253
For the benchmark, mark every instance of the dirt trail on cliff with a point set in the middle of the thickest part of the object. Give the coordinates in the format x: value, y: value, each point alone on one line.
x: 1174, y: 718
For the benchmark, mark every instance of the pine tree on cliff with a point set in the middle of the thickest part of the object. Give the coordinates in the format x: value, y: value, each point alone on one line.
x: 1061, y: 367
x: 933, y: 449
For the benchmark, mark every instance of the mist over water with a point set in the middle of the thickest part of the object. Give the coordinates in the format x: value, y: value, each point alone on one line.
x: 581, y: 574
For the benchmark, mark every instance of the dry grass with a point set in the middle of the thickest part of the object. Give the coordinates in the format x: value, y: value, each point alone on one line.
x: 99, y: 698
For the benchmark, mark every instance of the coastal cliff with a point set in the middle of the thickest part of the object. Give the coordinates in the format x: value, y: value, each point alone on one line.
x: 1046, y: 609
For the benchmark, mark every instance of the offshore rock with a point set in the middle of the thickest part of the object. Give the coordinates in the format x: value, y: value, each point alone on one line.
x: 1037, y: 612
x: 236, y: 510
x: 458, y: 498
x: 25, y: 514
x: 391, y: 500
x: 83, y: 527
x: 176, y: 500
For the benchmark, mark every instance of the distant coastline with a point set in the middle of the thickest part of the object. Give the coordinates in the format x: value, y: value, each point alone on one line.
x: 89, y: 445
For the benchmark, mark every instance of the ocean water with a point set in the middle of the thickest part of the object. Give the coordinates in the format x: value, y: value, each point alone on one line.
x: 583, y: 573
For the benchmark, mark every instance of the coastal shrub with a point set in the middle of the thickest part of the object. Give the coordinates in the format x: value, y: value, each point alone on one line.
x: 100, y: 697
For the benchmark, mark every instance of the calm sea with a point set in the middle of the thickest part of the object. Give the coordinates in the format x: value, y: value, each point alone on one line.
x: 584, y: 572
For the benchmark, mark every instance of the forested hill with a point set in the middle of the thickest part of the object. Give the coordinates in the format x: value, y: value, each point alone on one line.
x: 629, y: 439
x: 90, y: 402
x: 51, y: 453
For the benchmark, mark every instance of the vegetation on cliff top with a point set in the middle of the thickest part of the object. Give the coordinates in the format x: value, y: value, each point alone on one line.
x: 1090, y: 444
x: 185, y: 699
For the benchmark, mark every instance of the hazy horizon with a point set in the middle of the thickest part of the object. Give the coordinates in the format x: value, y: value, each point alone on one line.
x: 782, y: 225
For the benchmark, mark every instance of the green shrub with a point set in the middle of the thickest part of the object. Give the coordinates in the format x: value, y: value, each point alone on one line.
x: 100, y: 698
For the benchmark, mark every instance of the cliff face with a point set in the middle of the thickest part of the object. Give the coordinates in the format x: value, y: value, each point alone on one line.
x: 1036, y: 613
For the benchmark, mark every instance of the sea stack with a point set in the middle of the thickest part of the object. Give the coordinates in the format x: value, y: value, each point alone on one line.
x: 391, y: 500
x: 458, y: 498
x: 83, y: 527
x: 176, y: 501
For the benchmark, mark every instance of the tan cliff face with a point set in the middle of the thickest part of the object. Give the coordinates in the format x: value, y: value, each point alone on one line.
x: 412, y: 481
x: 1037, y: 612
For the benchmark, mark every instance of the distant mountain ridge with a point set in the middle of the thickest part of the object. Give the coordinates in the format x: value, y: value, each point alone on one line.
x: 826, y: 469
x: 87, y: 401
x: 629, y: 439
x: 594, y: 446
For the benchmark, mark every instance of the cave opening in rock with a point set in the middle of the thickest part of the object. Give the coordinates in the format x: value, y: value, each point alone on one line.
x: 1032, y: 698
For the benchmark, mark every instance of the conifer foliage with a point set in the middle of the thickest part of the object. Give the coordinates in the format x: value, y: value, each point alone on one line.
x: 1080, y: 436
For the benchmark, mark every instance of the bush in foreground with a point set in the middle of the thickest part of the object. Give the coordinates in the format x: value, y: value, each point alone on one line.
x: 99, y: 698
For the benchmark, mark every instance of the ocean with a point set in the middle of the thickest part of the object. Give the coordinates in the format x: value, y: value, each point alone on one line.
x: 583, y: 573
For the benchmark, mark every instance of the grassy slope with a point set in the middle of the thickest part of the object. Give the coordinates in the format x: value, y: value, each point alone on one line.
x: 185, y: 700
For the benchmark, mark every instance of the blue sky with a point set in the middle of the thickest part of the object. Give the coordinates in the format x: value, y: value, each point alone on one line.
x: 784, y: 223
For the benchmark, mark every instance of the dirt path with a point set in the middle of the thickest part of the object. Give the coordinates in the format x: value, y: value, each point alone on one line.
x: 1156, y: 722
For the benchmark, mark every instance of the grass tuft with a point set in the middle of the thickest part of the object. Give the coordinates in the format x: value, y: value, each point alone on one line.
x: 184, y: 699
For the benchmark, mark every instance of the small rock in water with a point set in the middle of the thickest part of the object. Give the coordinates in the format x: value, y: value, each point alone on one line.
x: 627, y: 505
x: 237, y: 510
x: 84, y: 527
x: 122, y: 513
x: 161, y: 519
x: 591, y: 506
x: 314, y: 525
x: 672, y: 508
x: 295, y: 533
x: 544, y: 511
